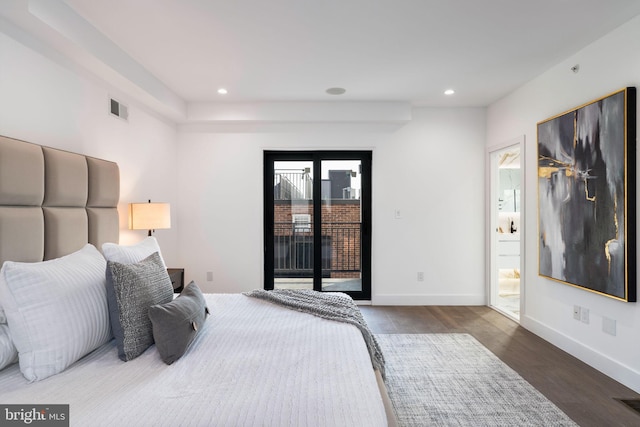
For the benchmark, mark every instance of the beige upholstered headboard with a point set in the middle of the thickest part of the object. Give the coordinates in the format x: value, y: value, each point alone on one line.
x: 53, y: 202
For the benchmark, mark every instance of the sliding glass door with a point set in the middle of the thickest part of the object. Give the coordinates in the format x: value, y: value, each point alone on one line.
x: 318, y: 221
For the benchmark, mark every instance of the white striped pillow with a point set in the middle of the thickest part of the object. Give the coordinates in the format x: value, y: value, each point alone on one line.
x: 8, y: 352
x: 56, y: 310
x: 133, y: 253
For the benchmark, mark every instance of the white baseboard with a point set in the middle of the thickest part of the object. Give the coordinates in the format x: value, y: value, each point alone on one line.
x: 608, y: 366
x: 421, y: 299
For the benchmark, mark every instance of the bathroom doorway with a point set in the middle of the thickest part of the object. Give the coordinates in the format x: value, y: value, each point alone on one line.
x: 506, y: 183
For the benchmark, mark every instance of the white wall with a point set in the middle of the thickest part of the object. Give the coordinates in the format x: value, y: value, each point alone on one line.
x: 431, y: 169
x: 46, y: 102
x: 607, y: 65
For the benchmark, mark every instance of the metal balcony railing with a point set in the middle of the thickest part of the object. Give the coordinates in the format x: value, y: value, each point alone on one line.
x: 293, y: 249
x: 292, y: 185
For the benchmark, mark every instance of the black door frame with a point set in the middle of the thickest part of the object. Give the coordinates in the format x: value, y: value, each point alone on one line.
x: 365, y: 158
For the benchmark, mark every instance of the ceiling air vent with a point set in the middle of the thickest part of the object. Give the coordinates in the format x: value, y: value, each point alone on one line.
x: 119, y: 110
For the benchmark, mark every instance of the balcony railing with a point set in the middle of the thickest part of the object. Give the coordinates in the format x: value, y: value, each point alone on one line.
x: 292, y: 185
x: 293, y: 249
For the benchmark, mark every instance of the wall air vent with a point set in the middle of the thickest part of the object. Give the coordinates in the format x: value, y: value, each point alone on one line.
x: 118, y: 109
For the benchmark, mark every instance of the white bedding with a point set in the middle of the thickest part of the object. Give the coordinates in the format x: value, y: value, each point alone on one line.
x: 253, y: 364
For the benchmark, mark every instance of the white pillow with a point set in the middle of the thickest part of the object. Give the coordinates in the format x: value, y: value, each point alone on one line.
x: 8, y: 352
x: 133, y: 253
x: 56, y: 310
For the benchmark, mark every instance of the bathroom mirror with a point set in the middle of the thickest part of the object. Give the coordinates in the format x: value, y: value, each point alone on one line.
x: 509, y: 190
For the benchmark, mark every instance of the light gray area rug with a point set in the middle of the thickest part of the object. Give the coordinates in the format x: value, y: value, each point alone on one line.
x: 453, y: 380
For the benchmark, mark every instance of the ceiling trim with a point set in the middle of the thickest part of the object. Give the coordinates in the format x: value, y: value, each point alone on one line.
x: 300, y: 112
x: 106, y: 59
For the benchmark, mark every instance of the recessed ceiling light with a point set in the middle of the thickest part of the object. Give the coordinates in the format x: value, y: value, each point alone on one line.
x: 336, y: 91
x: 449, y: 92
x: 222, y: 91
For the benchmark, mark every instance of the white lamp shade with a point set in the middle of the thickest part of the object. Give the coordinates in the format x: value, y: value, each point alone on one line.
x: 149, y: 216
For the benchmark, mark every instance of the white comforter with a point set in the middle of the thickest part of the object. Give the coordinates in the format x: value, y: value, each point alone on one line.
x: 253, y: 364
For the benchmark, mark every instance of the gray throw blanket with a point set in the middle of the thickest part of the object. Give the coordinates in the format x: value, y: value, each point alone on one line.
x: 327, y: 306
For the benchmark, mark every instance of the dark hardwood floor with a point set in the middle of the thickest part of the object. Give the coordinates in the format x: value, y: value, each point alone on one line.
x: 583, y: 393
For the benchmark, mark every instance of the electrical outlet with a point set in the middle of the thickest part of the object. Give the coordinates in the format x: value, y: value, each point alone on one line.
x: 397, y: 214
x: 576, y: 312
x: 609, y: 326
x: 209, y: 276
x: 420, y: 276
x: 584, y: 315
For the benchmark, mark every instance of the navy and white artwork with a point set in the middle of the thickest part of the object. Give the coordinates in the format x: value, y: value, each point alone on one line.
x: 583, y: 197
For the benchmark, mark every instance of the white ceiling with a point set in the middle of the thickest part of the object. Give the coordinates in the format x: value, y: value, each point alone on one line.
x: 378, y: 50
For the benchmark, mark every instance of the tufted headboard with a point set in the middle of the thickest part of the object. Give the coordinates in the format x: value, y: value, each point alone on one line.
x: 53, y: 202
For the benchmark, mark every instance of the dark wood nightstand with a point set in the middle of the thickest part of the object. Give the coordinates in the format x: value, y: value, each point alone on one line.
x: 177, y: 279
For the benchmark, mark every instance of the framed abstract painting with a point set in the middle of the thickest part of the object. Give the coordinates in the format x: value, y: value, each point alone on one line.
x: 586, y: 196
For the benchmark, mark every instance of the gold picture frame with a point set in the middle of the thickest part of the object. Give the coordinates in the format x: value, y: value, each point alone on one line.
x: 586, y: 196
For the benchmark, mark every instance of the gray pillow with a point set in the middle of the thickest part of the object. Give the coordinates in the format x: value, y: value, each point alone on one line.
x: 176, y: 324
x: 131, y: 290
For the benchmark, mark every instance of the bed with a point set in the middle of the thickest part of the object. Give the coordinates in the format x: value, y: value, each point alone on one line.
x: 250, y: 362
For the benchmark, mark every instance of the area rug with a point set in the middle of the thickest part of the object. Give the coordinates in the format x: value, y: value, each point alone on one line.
x: 453, y: 380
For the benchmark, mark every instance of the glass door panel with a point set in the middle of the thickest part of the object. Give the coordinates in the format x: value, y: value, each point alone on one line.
x: 341, y: 225
x: 293, y: 242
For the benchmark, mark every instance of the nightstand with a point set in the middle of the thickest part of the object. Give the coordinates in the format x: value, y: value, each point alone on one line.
x: 177, y: 279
